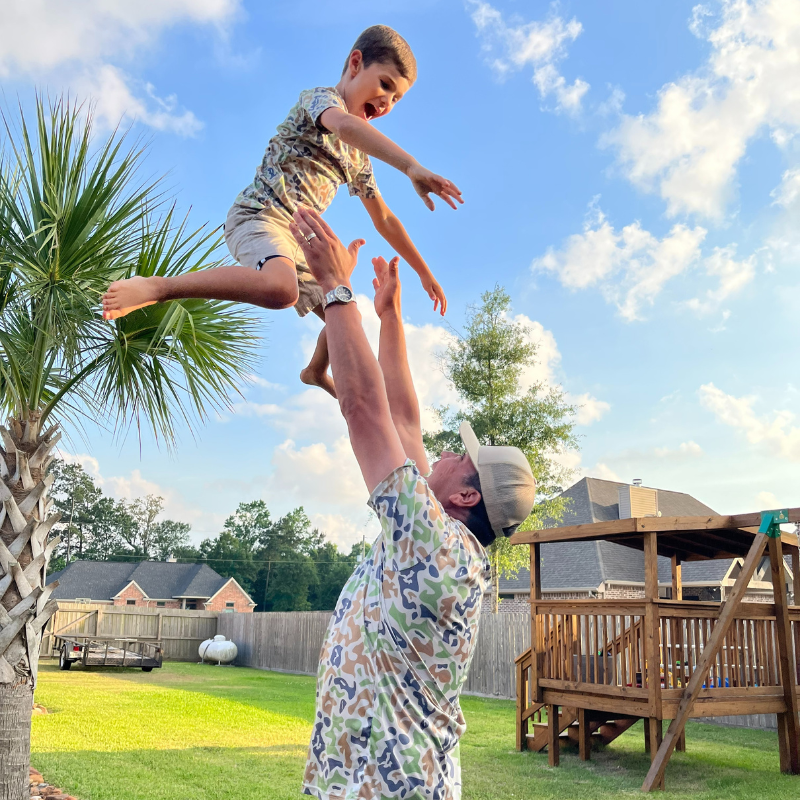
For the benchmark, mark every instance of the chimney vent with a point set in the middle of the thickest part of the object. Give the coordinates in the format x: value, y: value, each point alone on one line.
x: 636, y: 501
x: 637, y: 481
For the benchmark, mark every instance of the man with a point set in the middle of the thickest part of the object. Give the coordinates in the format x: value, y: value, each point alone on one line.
x: 399, y: 644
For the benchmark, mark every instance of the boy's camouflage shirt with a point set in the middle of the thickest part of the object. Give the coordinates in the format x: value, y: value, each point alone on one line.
x: 306, y: 164
x: 396, y: 655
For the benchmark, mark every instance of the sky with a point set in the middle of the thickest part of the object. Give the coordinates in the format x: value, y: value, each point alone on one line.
x: 631, y: 176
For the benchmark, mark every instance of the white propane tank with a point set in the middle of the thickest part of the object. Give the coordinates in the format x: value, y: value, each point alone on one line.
x: 218, y: 649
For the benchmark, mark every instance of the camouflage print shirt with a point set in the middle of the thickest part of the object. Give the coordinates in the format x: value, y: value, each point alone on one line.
x: 396, y: 655
x: 306, y: 164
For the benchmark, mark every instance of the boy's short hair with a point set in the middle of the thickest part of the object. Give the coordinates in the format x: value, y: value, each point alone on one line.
x: 383, y: 44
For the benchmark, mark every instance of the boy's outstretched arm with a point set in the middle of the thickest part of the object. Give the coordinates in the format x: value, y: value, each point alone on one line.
x: 390, y: 227
x: 359, y: 133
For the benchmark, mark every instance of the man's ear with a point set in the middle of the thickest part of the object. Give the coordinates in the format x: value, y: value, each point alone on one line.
x: 468, y: 497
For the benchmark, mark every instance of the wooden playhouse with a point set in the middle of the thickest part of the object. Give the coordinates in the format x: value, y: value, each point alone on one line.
x: 597, y: 666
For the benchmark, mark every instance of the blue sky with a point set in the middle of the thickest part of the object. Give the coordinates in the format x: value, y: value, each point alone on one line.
x: 631, y: 173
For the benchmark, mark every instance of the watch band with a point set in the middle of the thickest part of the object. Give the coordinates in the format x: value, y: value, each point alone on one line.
x: 340, y: 295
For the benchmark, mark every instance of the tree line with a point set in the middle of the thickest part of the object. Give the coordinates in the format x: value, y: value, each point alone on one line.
x: 283, y: 563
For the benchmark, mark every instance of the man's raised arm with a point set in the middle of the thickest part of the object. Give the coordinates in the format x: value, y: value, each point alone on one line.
x: 393, y: 358
x: 359, y: 380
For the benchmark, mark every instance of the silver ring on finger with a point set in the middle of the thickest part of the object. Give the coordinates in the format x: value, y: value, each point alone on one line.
x: 311, y: 236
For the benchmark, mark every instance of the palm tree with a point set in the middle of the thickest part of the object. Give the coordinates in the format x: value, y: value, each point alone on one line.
x: 73, y: 218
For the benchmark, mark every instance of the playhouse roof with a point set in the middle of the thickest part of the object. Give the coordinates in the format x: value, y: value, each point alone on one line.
x: 690, y: 538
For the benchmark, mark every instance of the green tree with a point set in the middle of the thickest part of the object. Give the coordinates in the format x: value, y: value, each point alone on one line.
x: 333, y: 570
x: 74, y: 216
x: 169, y: 538
x: 287, y: 547
x: 231, y: 557
x: 486, y: 367
x: 76, y: 497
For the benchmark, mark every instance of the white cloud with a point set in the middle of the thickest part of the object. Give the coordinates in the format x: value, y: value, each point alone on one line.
x: 788, y: 192
x: 767, y: 500
x: 732, y: 276
x: 344, y: 531
x: 129, y: 487
x: 315, y: 466
x: 775, y: 433
x: 540, y: 45
x: 327, y: 482
x: 604, y: 472
x: 631, y: 266
x: 689, y: 147
x: 80, y: 46
x: 688, y: 449
x: 113, y: 99
x: 310, y: 415
x: 590, y: 409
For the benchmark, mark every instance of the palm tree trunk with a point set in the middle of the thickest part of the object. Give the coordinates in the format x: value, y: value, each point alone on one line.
x: 25, y: 604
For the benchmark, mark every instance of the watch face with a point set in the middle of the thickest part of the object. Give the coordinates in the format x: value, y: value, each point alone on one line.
x: 343, y: 294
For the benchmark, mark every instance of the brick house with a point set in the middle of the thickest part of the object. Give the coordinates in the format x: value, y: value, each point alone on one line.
x: 582, y: 570
x: 150, y: 584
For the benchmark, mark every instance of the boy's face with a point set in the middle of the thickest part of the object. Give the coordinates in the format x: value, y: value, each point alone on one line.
x: 372, y: 91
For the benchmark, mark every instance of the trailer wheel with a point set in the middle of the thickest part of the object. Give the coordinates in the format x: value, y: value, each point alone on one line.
x: 63, y: 661
x: 147, y: 669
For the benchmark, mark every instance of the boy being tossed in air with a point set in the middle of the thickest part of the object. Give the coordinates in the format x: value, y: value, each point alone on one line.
x: 326, y: 141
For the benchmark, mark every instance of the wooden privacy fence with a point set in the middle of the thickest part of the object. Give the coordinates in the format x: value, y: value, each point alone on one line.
x: 290, y: 642
x: 180, y: 632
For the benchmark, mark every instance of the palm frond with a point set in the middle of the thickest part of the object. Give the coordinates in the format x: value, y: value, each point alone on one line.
x: 74, y: 217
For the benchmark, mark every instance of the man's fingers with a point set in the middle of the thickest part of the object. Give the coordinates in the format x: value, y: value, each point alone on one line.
x: 313, y: 222
x: 355, y: 246
x: 299, y: 237
x: 394, y: 265
x: 379, y: 265
x: 376, y: 284
x: 303, y: 227
x: 426, y: 198
x: 327, y: 228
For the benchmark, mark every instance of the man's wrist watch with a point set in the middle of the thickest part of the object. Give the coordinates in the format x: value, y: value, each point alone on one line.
x: 340, y: 294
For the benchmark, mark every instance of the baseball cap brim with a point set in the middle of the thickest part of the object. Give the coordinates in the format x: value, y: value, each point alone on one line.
x: 471, y: 443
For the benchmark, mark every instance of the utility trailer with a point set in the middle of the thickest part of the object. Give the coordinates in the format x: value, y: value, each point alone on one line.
x: 108, y: 651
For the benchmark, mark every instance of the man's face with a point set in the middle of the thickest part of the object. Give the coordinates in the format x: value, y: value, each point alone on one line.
x: 373, y: 91
x: 450, y: 475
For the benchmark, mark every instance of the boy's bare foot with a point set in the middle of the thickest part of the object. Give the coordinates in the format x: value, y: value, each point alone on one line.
x: 311, y: 377
x: 125, y: 296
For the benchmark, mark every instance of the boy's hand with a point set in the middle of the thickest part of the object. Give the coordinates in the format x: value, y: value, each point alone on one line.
x: 427, y: 183
x: 435, y: 292
x: 387, y: 285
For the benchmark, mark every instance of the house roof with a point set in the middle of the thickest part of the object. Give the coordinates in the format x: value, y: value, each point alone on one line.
x: 103, y: 580
x: 587, y: 564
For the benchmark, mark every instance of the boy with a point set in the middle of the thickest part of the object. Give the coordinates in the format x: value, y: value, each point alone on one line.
x: 326, y: 141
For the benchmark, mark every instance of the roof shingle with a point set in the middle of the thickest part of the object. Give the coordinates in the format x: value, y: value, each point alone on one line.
x: 585, y: 565
x: 161, y: 580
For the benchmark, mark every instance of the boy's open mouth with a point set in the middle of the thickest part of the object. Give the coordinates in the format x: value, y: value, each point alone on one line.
x: 370, y: 111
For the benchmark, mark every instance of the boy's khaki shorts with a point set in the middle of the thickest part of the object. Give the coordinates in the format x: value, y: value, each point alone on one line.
x: 255, y: 235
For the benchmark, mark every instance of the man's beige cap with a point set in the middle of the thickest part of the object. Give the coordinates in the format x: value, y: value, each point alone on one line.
x: 507, y: 483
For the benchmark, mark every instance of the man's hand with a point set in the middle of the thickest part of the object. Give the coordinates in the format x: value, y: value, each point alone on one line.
x: 427, y: 183
x: 435, y: 292
x: 330, y: 262
x: 387, y: 285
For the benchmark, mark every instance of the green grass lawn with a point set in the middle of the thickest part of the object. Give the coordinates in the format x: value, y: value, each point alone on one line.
x: 200, y: 732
